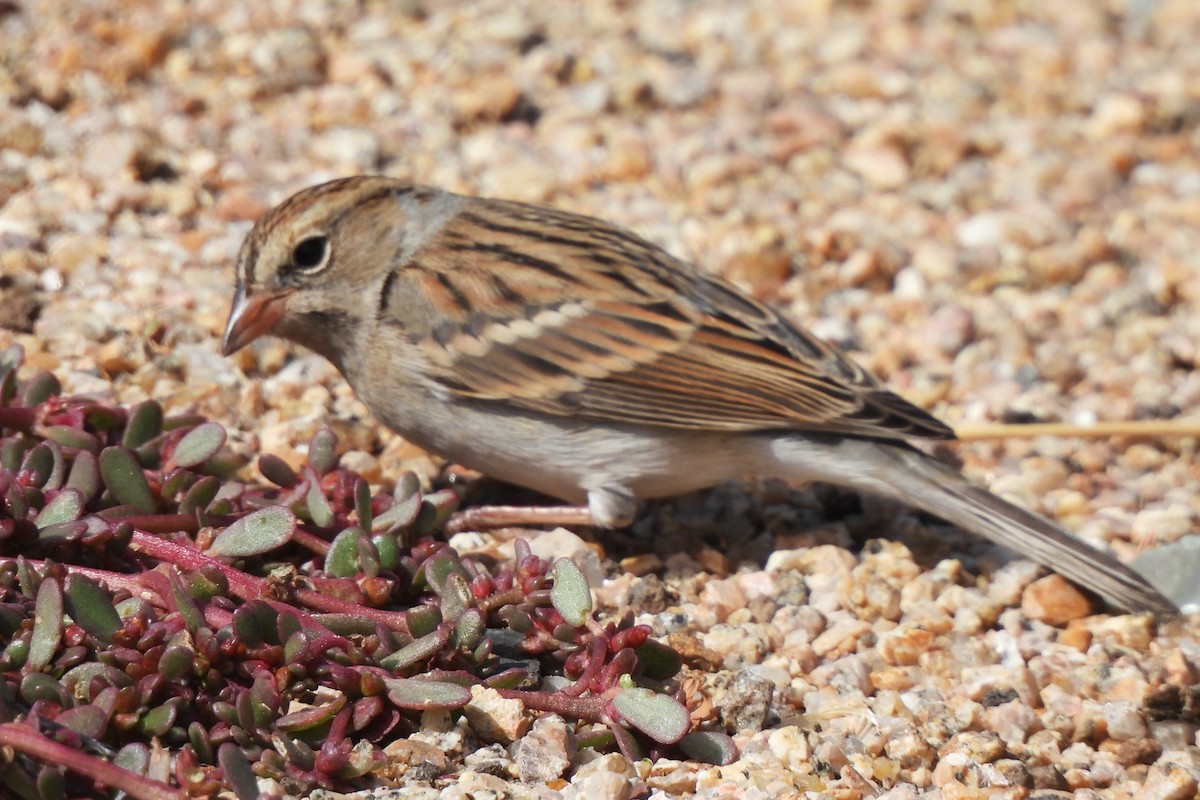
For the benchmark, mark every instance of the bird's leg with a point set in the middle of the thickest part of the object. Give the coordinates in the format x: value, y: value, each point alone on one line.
x: 608, y: 507
x: 488, y: 517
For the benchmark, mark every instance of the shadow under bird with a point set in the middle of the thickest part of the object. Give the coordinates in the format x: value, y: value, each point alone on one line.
x: 565, y: 354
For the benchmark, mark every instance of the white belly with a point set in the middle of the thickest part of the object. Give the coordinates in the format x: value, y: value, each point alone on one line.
x: 568, y: 458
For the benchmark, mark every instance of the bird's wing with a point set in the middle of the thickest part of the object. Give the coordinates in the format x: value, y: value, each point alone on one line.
x: 565, y: 315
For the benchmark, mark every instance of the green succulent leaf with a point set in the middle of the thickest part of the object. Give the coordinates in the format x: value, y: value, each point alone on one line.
x: 104, y: 418
x: 311, y: 717
x: 516, y: 618
x: 571, y: 596
x: 388, y: 549
x: 659, y: 662
x: 199, y: 444
x: 368, y: 556
x: 236, y: 766
x: 40, y: 686
x: 254, y: 534
x: 401, y: 515
x: 423, y: 620
x: 175, y: 481
x: 180, y: 594
x: 145, y: 422
x: 18, y: 505
x: 206, y: 584
x: 659, y: 716
x: 322, y: 451
x: 66, y: 506
x: 39, y: 465
x: 319, y: 510
x: 277, y: 471
x: 406, y: 486
x: 51, y: 782
x: 40, y: 388
x: 157, y: 721
x: 420, y: 650
x: 85, y: 475
x: 425, y: 695
x: 176, y: 661
x: 78, y: 680
x: 91, y: 607
x: 124, y: 478
x: 294, y: 646
x: 133, y: 757
x: 73, y: 438
x: 456, y: 597
x: 90, y: 720
x: 468, y: 631
x: 12, y: 450
x: 254, y: 624
x: 47, y: 624
x: 58, y: 469
x: 10, y: 621
x: 440, y: 567
x: 362, y: 503
x: 17, y: 652
x: 287, y: 624
x: 62, y: 531
x: 200, y: 495
x: 11, y: 358
x: 342, y: 560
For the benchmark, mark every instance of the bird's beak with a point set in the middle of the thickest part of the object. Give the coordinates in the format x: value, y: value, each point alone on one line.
x: 252, y: 316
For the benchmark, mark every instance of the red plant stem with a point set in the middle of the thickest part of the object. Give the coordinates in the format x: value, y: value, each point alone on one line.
x: 162, y: 523
x: 311, y: 623
x: 310, y: 541
x: 595, y: 666
x: 188, y: 523
x: 26, y: 740
x: 241, y: 584
x: 114, y: 580
x: 590, y: 708
x: 494, y: 601
x: 249, y: 587
x: 396, y: 620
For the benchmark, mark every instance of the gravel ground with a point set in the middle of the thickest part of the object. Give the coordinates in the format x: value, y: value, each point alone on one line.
x: 995, y: 205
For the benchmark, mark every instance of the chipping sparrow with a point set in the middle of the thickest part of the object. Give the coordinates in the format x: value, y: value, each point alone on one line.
x: 564, y: 354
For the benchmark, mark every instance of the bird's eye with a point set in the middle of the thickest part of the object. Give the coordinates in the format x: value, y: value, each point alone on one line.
x: 311, y: 254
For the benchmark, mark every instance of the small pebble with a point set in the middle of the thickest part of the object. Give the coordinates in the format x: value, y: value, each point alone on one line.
x: 1055, y: 601
x: 544, y: 753
x: 494, y: 718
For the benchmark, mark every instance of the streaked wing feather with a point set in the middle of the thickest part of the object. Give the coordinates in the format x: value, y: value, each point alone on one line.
x: 512, y: 287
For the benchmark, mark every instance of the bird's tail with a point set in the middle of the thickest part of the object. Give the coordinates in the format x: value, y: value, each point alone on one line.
x: 909, y: 475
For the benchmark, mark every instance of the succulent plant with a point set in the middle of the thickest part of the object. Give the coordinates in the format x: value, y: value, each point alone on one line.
x: 171, y: 630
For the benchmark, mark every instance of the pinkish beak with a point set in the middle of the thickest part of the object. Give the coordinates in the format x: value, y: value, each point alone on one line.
x: 252, y: 316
